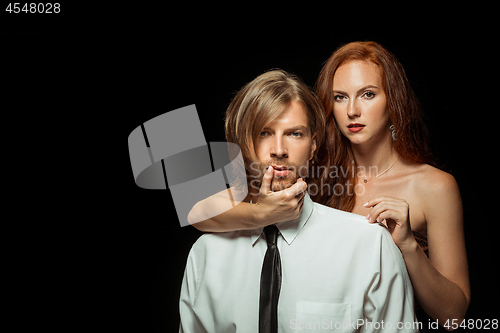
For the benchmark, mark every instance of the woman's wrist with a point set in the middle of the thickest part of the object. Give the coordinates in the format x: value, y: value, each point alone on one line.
x: 410, y: 248
x: 254, y: 216
x: 251, y: 216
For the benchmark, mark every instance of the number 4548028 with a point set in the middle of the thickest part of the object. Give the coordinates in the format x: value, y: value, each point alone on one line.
x: 33, y: 7
x: 484, y: 324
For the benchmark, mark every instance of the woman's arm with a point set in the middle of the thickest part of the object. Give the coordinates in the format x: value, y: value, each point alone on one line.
x: 441, y: 282
x: 269, y: 207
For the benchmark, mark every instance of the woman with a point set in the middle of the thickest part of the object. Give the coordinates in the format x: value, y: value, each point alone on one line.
x: 376, y: 142
x: 374, y: 128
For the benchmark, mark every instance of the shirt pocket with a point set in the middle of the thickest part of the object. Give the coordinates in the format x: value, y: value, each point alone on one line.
x: 323, y: 317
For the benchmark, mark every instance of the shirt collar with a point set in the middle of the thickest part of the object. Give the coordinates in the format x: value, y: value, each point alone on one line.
x: 289, y: 229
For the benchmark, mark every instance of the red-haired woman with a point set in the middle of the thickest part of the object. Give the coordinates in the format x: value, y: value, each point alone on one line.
x: 377, y: 145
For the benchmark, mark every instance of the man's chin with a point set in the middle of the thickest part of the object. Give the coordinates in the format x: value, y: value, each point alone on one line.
x: 279, y: 184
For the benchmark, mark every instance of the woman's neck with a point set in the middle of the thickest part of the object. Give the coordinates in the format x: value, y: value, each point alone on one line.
x: 373, y: 159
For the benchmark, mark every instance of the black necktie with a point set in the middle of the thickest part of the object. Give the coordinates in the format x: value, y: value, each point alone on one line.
x: 270, y: 283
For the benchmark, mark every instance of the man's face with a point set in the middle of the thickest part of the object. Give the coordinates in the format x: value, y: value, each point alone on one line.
x: 286, y: 144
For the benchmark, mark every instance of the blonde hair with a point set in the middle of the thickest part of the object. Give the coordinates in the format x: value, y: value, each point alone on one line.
x: 263, y: 100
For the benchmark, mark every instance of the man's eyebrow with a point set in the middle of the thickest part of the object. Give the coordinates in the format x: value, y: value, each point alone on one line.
x: 298, y: 128
x: 293, y: 128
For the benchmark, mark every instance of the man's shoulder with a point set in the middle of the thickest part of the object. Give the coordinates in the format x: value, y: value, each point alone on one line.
x: 222, y: 239
x: 351, y: 226
x: 328, y: 215
x: 344, y: 227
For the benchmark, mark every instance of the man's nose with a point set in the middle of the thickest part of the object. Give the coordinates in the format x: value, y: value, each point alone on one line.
x: 353, y: 109
x: 279, y: 150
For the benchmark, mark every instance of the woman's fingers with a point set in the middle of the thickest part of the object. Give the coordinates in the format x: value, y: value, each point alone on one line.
x: 298, y: 188
x: 265, y: 187
x: 378, y: 200
x: 396, y: 214
x: 281, y: 205
x: 390, y: 210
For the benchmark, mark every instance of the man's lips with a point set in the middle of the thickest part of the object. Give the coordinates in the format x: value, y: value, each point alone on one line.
x: 281, y: 170
x: 355, y: 127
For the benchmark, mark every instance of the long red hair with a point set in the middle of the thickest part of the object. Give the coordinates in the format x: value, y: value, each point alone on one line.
x: 404, y: 113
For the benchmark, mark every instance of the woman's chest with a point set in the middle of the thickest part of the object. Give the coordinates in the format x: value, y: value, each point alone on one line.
x: 400, y: 190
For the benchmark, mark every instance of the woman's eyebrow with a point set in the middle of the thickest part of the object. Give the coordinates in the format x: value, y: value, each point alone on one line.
x: 360, y: 90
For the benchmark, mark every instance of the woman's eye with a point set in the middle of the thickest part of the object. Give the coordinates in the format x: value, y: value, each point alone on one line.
x: 369, y: 95
x: 338, y: 98
x: 263, y: 133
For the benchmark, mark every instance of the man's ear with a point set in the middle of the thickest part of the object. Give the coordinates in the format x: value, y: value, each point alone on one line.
x: 313, y: 147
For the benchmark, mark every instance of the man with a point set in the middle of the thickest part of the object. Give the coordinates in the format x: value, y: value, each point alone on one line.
x: 325, y: 270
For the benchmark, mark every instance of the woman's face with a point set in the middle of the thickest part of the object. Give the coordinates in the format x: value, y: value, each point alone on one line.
x: 360, y: 103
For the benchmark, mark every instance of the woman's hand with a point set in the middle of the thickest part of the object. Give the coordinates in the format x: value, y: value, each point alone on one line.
x: 273, y: 207
x: 396, y: 213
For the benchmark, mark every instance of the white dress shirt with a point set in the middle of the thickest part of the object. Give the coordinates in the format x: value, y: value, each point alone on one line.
x: 339, y: 273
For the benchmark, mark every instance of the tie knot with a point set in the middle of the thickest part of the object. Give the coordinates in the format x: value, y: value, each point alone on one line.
x: 271, y: 232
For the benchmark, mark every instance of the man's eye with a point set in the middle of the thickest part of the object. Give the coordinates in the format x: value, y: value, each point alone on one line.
x: 296, y: 134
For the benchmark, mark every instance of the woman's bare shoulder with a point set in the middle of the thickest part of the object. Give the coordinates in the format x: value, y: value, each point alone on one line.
x: 437, y: 189
x: 429, y: 179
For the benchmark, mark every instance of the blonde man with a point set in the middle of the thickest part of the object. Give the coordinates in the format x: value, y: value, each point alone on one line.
x: 323, y: 270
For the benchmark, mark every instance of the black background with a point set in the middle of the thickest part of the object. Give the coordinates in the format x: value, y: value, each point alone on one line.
x: 76, y: 85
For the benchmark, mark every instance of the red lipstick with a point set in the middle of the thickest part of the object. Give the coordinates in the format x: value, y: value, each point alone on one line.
x: 355, y: 127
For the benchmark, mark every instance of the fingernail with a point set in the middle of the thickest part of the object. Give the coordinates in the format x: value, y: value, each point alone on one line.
x: 366, y: 204
x: 368, y: 217
x: 268, y: 169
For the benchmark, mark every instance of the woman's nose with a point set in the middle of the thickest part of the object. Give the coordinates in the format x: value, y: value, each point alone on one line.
x: 352, y: 109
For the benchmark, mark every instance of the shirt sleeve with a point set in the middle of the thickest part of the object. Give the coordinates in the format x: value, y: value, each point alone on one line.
x: 389, y: 302
x: 188, y: 319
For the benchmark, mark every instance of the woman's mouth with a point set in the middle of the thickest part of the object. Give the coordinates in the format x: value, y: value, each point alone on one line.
x: 355, y: 127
